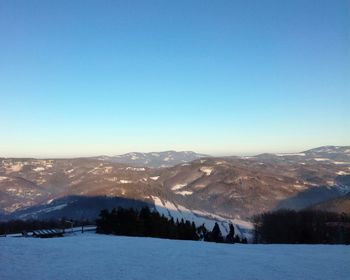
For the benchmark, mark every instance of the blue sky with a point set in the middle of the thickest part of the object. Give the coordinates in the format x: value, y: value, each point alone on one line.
x: 220, y: 77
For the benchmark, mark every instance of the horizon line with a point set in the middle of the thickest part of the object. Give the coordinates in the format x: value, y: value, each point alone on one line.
x: 170, y: 150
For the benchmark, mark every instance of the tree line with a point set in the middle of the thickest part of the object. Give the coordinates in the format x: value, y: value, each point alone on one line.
x: 147, y: 223
x: 302, y: 227
x: 21, y: 226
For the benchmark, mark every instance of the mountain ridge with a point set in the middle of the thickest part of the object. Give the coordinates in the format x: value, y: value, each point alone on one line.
x: 154, y: 159
x: 227, y: 187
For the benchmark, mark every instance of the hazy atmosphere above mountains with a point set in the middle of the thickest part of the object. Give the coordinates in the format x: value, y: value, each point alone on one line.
x: 215, y: 77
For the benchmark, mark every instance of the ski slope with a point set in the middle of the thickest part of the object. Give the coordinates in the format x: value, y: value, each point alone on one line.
x: 92, y: 256
x: 167, y: 208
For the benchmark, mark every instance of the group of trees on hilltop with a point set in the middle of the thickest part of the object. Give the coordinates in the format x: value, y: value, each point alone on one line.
x: 303, y: 227
x: 131, y: 222
x: 149, y: 223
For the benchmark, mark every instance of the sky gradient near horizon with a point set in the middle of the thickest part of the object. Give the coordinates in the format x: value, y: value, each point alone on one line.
x: 80, y: 78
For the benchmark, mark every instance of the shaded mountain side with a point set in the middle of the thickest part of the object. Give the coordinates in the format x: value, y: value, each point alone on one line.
x: 309, y: 197
x: 343, y: 180
x: 81, y: 208
x: 76, y: 208
x: 338, y: 205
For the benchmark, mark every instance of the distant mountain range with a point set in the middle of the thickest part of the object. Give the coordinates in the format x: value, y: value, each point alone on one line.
x: 155, y: 159
x: 177, y: 184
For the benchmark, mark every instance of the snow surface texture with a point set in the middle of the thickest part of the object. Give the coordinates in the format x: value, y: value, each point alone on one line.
x: 91, y: 256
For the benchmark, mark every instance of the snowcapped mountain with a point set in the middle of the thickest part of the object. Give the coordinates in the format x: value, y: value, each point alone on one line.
x: 154, y: 159
x: 207, y: 189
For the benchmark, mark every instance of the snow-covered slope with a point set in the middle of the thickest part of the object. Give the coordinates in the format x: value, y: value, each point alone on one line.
x: 91, y: 256
x: 171, y: 210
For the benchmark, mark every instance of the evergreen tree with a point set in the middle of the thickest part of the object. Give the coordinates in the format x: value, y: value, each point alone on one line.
x: 202, y: 232
x: 230, y: 238
x: 216, y: 234
x: 237, y: 239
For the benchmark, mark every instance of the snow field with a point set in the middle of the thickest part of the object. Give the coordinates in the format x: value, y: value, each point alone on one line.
x: 92, y: 256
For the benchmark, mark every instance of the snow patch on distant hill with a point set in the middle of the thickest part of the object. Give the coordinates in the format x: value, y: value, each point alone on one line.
x: 178, y: 187
x: 38, y: 169
x: 136, y: 168
x: 184, y: 193
x: 206, y: 170
x: 3, y: 178
x: 290, y: 154
x: 14, y: 167
x: 125, y: 181
x: 321, y: 159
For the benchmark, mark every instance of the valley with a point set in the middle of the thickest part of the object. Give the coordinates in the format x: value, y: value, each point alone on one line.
x: 206, y: 189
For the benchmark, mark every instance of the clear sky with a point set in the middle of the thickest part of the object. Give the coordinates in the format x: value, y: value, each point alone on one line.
x: 220, y: 77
